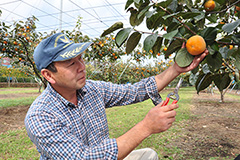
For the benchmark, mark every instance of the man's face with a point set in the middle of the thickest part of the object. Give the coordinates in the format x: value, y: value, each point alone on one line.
x: 71, y: 74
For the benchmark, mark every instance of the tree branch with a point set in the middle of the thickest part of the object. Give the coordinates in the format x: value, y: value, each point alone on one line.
x: 224, y: 10
x: 34, y: 68
x: 194, y: 33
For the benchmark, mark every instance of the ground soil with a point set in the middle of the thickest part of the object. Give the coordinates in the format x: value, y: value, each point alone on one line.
x: 212, y: 131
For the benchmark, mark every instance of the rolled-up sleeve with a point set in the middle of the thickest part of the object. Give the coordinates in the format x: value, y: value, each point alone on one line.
x: 117, y: 95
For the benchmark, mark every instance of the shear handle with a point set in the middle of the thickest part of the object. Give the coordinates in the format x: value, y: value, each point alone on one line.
x: 170, y: 95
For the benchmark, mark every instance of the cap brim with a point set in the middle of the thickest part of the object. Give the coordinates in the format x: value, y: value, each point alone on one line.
x: 72, y: 51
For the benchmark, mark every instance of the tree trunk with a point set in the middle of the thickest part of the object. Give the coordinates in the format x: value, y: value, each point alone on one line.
x: 222, y: 97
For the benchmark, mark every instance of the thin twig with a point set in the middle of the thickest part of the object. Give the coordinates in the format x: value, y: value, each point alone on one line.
x: 230, y: 67
x: 225, y: 8
x: 178, y: 20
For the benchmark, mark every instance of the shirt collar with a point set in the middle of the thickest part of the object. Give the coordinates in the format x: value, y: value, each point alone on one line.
x: 80, y: 95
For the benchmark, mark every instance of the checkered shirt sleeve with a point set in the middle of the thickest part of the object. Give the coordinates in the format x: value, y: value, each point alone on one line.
x: 117, y: 95
x: 60, y: 131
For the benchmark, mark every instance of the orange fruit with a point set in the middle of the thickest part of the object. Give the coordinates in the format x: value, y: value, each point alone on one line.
x: 222, y: 22
x: 230, y: 46
x: 237, y: 8
x: 165, y: 49
x: 195, y: 45
x: 209, y: 5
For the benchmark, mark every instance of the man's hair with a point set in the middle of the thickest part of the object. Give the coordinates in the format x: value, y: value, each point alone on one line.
x: 51, y: 67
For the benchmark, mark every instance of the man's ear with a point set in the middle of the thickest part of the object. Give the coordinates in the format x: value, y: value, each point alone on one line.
x: 48, y: 75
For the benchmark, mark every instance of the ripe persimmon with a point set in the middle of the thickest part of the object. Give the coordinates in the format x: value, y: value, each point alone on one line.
x: 237, y: 8
x: 196, y: 45
x: 209, y: 5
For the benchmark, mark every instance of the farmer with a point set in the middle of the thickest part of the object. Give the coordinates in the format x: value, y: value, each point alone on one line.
x: 68, y: 120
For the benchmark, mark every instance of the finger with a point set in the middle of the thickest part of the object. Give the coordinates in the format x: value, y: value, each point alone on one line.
x: 183, y: 45
x: 170, y: 107
x: 171, y: 114
x: 201, y: 56
x: 160, y: 104
x: 170, y: 121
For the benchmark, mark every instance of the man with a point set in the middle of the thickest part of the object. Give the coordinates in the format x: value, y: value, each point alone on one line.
x: 68, y: 120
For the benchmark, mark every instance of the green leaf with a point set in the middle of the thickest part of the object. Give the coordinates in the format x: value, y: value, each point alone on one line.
x: 237, y: 62
x: 195, y: 70
x: 224, y: 51
x: 170, y: 35
x: 222, y: 81
x: 200, y: 16
x: 210, y: 50
x: 113, y: 28
x: 150, y: 41
x: 142, y: 13
x: 133, y: 41
x: 154, y: 21
x: 170, y: 15
x: 173, y: 26
x: 129, y: 2
x: 229, y: 27
x: 157, y: 46
x: 164, y: 4
x: 136, y: 1
x: 213, y: 18
x: 174, y: 46
x: 203, y: 81
x: 183, y: 58
x: 205, y: 69
x: 173, y: 6
x: 193, y: 78
x: 214, y: 61
x: 188, y: 15
x: 122, y: 36
x: 209, y: 34
x: 236, y: 76
x: 134, y: 20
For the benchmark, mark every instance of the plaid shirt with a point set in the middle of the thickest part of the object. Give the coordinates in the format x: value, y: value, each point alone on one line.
x: 61, y: 130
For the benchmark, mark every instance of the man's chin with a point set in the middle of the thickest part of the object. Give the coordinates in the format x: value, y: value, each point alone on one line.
x: 81, y: 83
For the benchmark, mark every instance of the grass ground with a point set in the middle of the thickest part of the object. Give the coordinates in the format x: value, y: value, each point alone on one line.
x: 15, y: 144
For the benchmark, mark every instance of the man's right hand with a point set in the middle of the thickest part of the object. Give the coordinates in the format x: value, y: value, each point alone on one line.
x: 157, y: 120
x: 160, y: 118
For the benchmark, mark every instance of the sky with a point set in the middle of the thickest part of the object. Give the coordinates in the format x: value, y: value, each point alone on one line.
x: 97, y: 15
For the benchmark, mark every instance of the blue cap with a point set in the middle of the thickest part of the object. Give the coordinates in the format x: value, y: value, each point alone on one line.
x: 57, y: 47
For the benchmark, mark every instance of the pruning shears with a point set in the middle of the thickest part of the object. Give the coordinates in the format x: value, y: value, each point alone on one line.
x: 173, y: 95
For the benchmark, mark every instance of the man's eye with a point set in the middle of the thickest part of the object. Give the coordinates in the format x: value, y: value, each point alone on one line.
x: 72, y: 64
